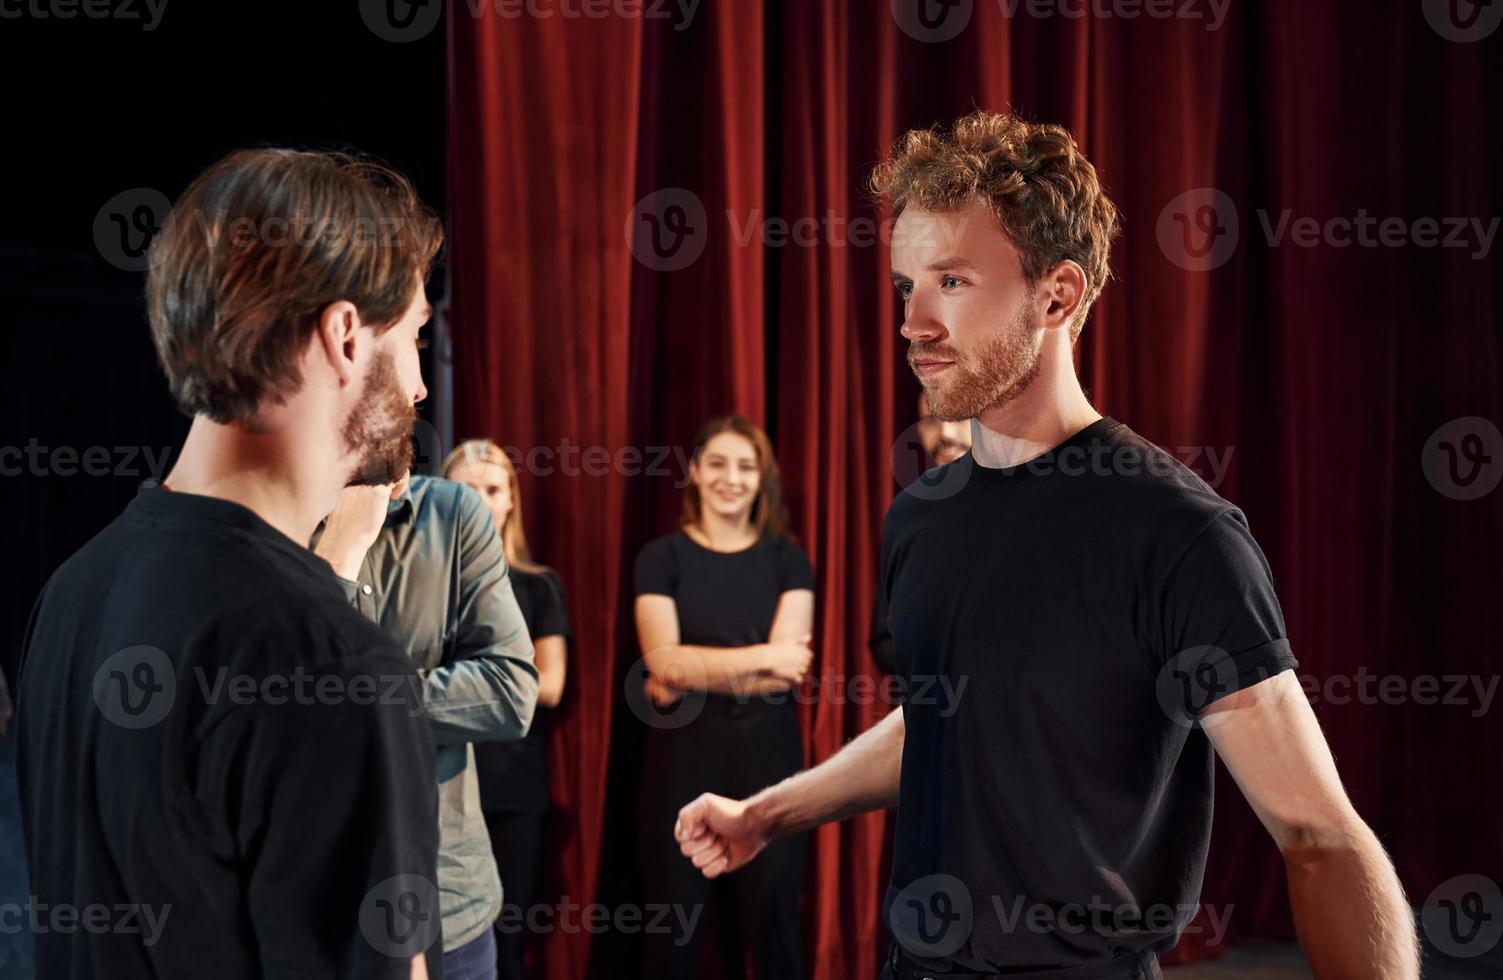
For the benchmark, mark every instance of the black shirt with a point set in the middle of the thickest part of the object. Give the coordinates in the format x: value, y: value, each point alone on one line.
x: 724, y: 598
x: 1056, y: 810
x: 514, y: 775
x: 208, y: 730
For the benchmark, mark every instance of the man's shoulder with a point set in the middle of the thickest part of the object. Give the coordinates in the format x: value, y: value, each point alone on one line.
x: 1112, y: 472
x: 443, y: 494
x: 1137, y: 478
x: 449, y: 504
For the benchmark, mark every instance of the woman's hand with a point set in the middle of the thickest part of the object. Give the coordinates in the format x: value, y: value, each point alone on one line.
x: 788, y: 661
x: 660, y: 692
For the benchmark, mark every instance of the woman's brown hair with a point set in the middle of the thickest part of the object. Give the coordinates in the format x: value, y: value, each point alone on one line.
x: 769, y: 515
x: 482, y: 452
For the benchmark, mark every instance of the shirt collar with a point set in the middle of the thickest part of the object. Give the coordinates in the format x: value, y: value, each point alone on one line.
x: 401, y: 508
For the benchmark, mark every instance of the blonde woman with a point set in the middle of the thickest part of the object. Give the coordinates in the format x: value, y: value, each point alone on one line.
x: 514, y: 775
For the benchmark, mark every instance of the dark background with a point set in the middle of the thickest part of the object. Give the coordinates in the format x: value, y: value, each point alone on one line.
x: 100, y: 107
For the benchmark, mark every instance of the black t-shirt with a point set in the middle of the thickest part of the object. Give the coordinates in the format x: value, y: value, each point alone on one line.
x: 724, y: 598
x: 209, y: 733
x: 514, y: 775
x: 1056, y: 810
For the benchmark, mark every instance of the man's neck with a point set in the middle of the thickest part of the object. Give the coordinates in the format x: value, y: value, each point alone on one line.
x: 289, y: 485
x: 1051, y: 410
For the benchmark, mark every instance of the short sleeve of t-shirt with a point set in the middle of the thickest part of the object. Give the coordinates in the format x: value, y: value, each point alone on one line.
x: 551, y: 610
x: 793, y: 568
x: 657, y: 572
x: 1219, y: 609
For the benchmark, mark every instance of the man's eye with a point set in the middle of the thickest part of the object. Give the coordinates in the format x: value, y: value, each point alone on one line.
x: 904, y: 288
x: 948, y: 280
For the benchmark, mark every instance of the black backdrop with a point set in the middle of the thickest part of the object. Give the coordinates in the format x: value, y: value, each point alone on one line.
x: 95, y: 108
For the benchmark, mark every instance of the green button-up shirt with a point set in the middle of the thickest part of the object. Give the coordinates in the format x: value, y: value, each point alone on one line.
x: 436, y: 579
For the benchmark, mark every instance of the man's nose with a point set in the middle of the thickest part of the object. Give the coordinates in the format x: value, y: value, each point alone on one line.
x: 920, y: 321
x: 422, y: 391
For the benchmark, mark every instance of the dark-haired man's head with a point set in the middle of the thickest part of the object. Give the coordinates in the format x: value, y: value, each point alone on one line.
x: 1002, y: 239
x: 286, y: 291
x: 944, y: 440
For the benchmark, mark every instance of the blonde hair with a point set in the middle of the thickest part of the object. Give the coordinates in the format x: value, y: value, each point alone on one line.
x: 484, y: 452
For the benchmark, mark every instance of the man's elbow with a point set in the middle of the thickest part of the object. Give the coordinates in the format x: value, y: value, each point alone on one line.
x: 527, y: 697
x: 1306, y: 838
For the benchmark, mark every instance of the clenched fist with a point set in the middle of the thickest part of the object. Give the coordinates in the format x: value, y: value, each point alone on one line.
x: 718, y: 835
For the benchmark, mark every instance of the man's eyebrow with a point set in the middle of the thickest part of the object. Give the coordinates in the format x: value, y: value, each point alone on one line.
x: 950, y: 263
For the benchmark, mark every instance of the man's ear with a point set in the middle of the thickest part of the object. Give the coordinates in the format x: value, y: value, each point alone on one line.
x: 1061, y: 290
x: 338, y: 338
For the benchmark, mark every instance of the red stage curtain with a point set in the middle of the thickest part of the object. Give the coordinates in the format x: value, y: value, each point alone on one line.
x: 1320, y: 370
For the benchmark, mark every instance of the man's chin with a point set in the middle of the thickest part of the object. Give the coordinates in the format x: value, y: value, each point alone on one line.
x: 382, y: 470
x: 945, y: 409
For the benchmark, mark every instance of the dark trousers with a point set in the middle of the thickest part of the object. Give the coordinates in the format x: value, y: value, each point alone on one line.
x: 475, y: 960
x: 733, y: 751
x: 517, y: 841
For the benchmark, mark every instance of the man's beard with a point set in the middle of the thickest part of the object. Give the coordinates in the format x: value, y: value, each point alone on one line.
x: 379, y: 430
x: 998, y: 373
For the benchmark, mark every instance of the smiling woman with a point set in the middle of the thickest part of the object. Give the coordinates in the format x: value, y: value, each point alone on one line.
x: 725, y: 611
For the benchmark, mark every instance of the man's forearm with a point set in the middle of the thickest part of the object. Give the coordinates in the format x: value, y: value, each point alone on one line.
x: 482, y: 699
x: 860, y: 777
x: 1349, y: 907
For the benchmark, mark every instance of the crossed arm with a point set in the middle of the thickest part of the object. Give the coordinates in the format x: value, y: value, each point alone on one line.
x: 675, y: 667
x: 1349, y: 908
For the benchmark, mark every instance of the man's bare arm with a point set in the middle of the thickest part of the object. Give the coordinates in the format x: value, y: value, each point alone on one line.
x: 1349, y: 908
x: 721, y: 835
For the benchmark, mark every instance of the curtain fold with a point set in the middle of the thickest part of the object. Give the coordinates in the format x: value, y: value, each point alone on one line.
x: 655, y: 220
